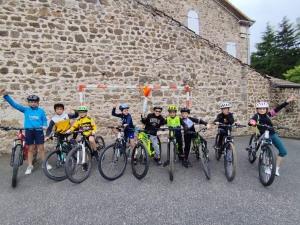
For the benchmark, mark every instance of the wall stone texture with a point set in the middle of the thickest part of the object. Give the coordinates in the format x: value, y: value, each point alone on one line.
x: 49, y: 47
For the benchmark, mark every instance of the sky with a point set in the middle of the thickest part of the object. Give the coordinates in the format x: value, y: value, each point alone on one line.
x: 264, y: 11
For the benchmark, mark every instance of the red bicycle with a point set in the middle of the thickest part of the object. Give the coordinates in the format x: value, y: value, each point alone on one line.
x: 19, y: 152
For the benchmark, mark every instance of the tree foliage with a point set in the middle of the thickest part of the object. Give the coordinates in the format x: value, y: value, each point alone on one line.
x: 279, y: 50
x: 293, y: 74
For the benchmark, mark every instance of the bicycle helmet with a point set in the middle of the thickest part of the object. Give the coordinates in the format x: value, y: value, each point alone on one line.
x: 260, y: 105
x: 124, y: 106
x: 157, y: 107
x: 57, y: 105
x: 225, y: 105
x: 33, y: 98
x: 82, y: 108
x: 185, y: 109
x: 173, y: 108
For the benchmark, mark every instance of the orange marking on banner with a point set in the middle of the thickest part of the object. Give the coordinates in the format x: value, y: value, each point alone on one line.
x: 81, y: 86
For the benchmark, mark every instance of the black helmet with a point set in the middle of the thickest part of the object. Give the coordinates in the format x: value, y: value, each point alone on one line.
x: 184, y: 109
x: 157, y: 107
x: 33, y: 98
x: 59, y: 105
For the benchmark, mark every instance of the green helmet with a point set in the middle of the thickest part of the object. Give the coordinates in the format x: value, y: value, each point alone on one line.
x: 82, y: 108
x: 173, y: 108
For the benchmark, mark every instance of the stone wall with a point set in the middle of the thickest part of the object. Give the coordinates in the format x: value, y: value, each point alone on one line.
x: 50, y: 47
x: 215, y: 22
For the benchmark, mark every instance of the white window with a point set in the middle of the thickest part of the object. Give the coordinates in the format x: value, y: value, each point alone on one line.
x: 193, y: 21
x: 231, y: 48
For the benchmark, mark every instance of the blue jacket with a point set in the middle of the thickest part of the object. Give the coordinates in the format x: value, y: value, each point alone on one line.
x: 33, y: 117
x: 126, y: 119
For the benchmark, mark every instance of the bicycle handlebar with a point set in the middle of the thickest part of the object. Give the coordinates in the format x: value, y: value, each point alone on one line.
x: 275, y: 127
x: 168, y: 128
x: 237, y: 125
x: 7, y: 128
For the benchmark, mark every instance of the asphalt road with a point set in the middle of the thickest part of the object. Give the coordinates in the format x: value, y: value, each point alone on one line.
x: 189, y: 199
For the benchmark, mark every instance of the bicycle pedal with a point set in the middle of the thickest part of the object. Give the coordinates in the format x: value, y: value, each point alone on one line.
x: 248, y: 149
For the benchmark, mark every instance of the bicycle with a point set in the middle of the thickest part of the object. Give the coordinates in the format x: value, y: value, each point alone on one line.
x: 113, y: 159
x: 201, y: 151
x: 19, y: 152
x: 57, y: 157
x: 228, y: 149
x: 172, y: 149
x: 79, y: 160
x: 261, y: 146
x: 143, y: 150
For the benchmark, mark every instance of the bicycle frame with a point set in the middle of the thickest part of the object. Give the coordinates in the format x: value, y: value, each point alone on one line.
x: 262, y: 141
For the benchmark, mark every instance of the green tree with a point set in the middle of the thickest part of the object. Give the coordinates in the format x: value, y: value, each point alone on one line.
x: 263, y: 59
x: 293, y: 75
x: 287, y: 48
x: 278, y: 51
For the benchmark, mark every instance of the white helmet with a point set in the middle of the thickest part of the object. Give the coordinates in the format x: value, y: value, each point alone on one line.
x: 225, y: 105
x: 262, y: 105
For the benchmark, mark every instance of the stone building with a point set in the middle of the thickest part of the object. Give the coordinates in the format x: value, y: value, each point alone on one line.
x: 50, y: 47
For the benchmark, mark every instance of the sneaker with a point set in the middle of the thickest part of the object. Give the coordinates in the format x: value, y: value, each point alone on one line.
x: 85, y: 167
x: 277, y: 171
x: 96, y: 155
x: 186, y: 163
x: 29, y: 170
x: 49, y: 167
x: 158, y: 162
x: 268, y: 170
x: 166, y: 163
x: 180, y: 157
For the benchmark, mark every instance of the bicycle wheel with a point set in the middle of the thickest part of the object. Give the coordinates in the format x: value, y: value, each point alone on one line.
x: 140, y: 161
x: 205, y: 161
x: 16, y: 165
x: 75, y: 169
x: 252, y: 150
x: 57, y: 160
x: 35, y: 153
x: 112, y: 161
x: 218, y: 152
x: 99, y: 143
x: 172, y: 148
x: 267, y: 165
x: 230, y: 161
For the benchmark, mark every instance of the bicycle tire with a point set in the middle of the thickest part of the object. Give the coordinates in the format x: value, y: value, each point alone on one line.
x: 172, y: 159
x: 218, y: 152
x: 99, y: 143
x: 204, y: 161
x: 140, y: 161
x: 252, y: 153
x: 16, y: 165
x: 230, y: 163
x: 35, y: 153
x: 265, y: 178
x: 112, y: 162
x: 72, y: 168
x: 57, y: 172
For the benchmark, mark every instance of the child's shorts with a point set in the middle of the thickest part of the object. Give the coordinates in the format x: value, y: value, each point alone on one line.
x: 34, y: 137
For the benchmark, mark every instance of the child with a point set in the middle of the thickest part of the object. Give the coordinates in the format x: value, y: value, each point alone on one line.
x: 85, y: 122
x: 188, y: 124
x: 35, y: 121
x: 175, y: 122
x: 126, y: 122
x: 224, y: 117
x: 60, y: 120
x: 153, y: 121
x: 263, y: 117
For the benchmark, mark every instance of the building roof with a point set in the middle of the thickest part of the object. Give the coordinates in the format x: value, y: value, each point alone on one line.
x: 236, y: 12
x: 279, y: 83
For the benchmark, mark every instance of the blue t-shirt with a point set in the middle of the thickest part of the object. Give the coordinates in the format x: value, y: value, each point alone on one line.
x: 33, y: 117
